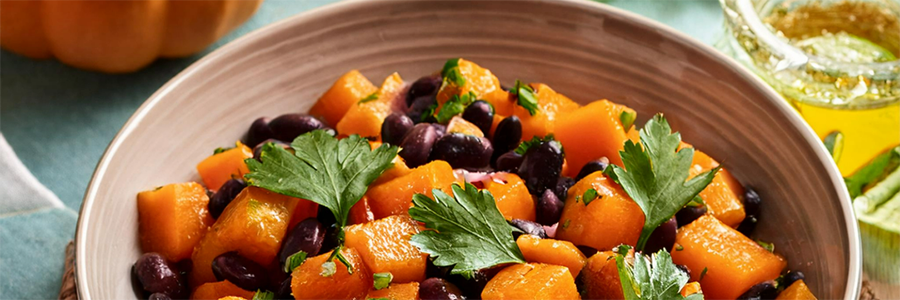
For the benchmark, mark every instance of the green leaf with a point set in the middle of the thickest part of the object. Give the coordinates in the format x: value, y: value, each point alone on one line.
x: 294, y: 261
x: 428, y: 112
x: 650, y: 278
x: 370, y: 97
x: 656, y: 176
x: 703, y: 273
x: 328, y: 269
x: 697, y: 202
x: 768, y: 246
x: 536, y: 140
x: 220, y: 150
x: 878, y: 168
x: 451, y: 73
x: 456, y: 105
x: 469, y: 233
x: 589, y: 196
x: 333, y: 173
x: 627, y: 119
x: 526, y: 97
x: 263, y: 295
x: 382, y: 280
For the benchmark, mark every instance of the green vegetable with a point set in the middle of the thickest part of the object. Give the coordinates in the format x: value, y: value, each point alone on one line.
x: 869, y: 201
x: 333, y: 173
x: 627, y: 119
x: 588, y: 196
x: 456, y: 105
x: 768, y: 246
x: 651, y: 279
x: 370, y: 97
x: 469, y: 233
x: 263, y: 295
x: 697, y: 202
x: 655, y: 176
x: 294, y: 261
x: 382, y: 280
x: 220, y: 150
x: 328, y: 269
x: 451, y: 73
x: 526, y: 98
x: 428, y: 112
x: 534, y: 141
x: 877, y: 169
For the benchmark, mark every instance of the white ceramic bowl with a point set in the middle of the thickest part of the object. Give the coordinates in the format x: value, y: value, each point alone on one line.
x: 585, y: 50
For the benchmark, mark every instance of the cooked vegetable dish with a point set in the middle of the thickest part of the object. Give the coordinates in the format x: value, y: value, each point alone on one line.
x: 456, y: 187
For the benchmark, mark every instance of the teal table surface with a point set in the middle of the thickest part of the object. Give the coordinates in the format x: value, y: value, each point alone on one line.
x: 59, y: 120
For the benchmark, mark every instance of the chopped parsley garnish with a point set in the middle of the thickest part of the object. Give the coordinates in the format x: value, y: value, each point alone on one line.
x: 328, y: 269
x: 588, y: 196
x: 524, y: 146
x: 221, y: 149
x: 263, y: 295
x: 703, y: 273
x: 469, y: 233
x: 456, y: 105
x: 294, y: 261
x: 768, y: 246
x: 428, y: 112
x: 627, y: 119
x: 697, y: 202
x: 333, y: 173
x: 382, y: 280
x: 655, y: 175
x: 370, y: 97
x: 525, y: 97
x: 451, y: 73
x: 651, y: 278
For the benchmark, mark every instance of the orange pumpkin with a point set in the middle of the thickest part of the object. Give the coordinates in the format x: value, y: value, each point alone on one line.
x: 117, y: 36
x: 309, y: 281
x: 550, y: 251
x: 512, y: 198
x: 403, y: 291
x: 218, y: 290
x: 605, y: 138
x: 384, y: 246
x: 172, y: 219
x: 531, y: 281
x: 608, y: 221
x: 796, y: 291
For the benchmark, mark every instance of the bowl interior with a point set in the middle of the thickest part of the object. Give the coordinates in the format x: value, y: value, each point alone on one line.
x: 584, y: 50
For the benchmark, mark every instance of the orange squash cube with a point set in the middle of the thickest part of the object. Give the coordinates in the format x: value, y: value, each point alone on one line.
x: 342, y: 95
x: 796, y: 291
x: 591, y: 132
x: 361, y: 212
x: 395, y: 196
x: 253, y: 224
x: 600, y: 276
x: 531, y: 281
x: 403, y: 291
x: 610, y: 220
x: 724, y: 195
x: 219, y: 168
x: 172, y: 219
x: 220, y: 289
x: 551, y: 106
x: 733, y: 262
x: 305, y: 209
x: 512, y: 198
x: 690, y: 288
x: 309, y: 282
x: 550, y: 251
x: 384, y: 247
x: 459, y: 125
x: 481, y: 82
x: 365, y: 118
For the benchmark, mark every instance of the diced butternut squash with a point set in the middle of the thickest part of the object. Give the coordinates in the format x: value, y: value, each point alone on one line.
x: 723, y: 196
x: 403, y: 291
x: 304, y: 209
x: 342, y: 95
x: 600, y: 276
x: 310, y: 282
x: 512, y: 198
x: 221, y: 289
x: 605, y: 137
x: 733, y: 262
x: 690, y: 288
x: 531, y: 281
x: 233, y: 298
x: 459, y: 125
x: 481, y: 82
x: 551, y: 106
x: 219, y: 168
x: 384, y: 247
x: 550, y: 251
x: 395, y: 196
x: 172, y: 219
x: 365, y: 118
x: 609, y: 220
x: 796, y: 291
x: 253, y: 224
x: 361, y: 212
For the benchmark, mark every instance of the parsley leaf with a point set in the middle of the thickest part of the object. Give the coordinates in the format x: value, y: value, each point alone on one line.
x: 370, y: 97
x: 333, y: 173
x: 524, y: 146
x: 589, y: 195
x: 627, y: 119
x: 294, y: 261
x: 451, y: 73
x: 456, y: 105
x: 469, y: 231
x: 879, y: 167
x: 656, y: 175
x: 263, y: 295
x: 526, y: 97
x: 382, y: 280
x: 651, y: 279
x: 768, y: 246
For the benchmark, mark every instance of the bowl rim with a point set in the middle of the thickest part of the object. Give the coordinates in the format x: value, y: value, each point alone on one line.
x: 854, y: 276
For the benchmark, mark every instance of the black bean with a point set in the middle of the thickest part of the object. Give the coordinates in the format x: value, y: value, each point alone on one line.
x: 432, y: 270
x: 562, y: 187
x: 529, y: 227
x: 508, y: 162
x: 426, y: 86
x: 307, y: 236
x: 394, y: 127
x: 541, y: 166
x: 481, y: 114
x: 259, y: 131
x: 663, y: 237
x: 440, y: 129
x: 159, y: 296
x: 257, y: 151
x: 549, y: 208
x: 463, y: 151
x: 156, y: 275
x: 791, y: 277
x: 591, y: 167
x: 760, y: 291
x: 588, y: 251
x: 243, y: 272
x: 472, y: 287
x: 325, y: 216
x: 331, y: 236
x: 287, y: 127
x: 416, y: 145
x: 439, y: 289
x: 283, y: 291
x: 506, y: 137
x: 752, y: 203
x: 225, y: 195
x: 689, y: 213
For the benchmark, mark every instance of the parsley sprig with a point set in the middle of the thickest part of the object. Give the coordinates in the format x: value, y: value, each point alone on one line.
x: 651, y: 279
x: 536, y: 140
x: 467, y: 223
x: 525, y: 97
x: 655, y: 175
x: 456, y: 105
